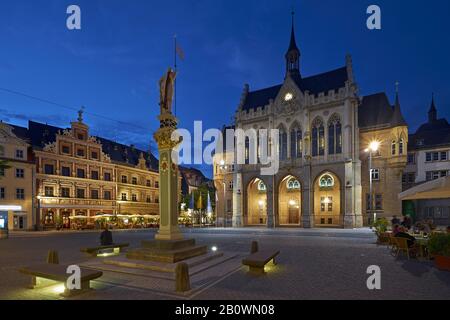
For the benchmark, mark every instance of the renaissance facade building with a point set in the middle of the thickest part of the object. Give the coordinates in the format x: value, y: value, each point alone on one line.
x: 75, y: 179
x: 328, y: 135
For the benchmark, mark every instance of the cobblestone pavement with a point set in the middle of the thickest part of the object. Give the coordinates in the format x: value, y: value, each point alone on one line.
x: 313, y: 264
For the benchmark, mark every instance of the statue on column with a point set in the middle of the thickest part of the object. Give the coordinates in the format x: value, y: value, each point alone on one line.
x: 167, y: 85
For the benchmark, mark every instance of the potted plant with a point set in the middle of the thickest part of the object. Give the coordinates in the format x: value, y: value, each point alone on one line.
x: 380, y: 227
x: 439, y: 248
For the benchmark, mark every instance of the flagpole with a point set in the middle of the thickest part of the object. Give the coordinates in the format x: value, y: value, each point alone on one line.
x: 175, y: 82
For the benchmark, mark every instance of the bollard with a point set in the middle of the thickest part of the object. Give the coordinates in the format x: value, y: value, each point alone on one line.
x: 254, y: 248
x: 52, y: 257
x: 182, y: 281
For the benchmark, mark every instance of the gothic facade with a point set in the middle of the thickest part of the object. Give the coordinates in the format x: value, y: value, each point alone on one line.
x: 325, y: 130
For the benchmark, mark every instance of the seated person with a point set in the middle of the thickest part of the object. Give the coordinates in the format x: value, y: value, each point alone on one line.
x: 395, y: 220
x: 106, y: 237
x: 396, y: 230
x: 403, y: 233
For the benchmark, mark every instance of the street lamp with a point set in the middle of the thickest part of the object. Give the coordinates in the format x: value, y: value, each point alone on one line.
x: 38, y: 213
x: 373, y: 148
x: 223, y: 167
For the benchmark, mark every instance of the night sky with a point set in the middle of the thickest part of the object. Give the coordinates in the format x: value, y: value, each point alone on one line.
x: 112, y: 66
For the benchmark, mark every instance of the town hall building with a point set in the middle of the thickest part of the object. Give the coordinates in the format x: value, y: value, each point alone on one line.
x: 341, y: 155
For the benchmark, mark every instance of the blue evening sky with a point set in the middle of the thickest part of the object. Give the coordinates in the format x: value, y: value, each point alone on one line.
x: 112, y: 66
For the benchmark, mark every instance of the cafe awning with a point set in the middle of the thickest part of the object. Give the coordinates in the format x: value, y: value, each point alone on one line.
x: 436, y: 189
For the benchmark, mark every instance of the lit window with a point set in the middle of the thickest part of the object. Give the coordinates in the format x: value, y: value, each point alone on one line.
x: 48, y: 191
x: 262, y: 186
x: 293, y: 184
x: 393, y: 148
x: 375, y: 174
x: 326, y: 181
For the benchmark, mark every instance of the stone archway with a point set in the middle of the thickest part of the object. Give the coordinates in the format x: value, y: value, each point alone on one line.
x: 256, y: 203
x: 327, y: 200
x: 289, y: 201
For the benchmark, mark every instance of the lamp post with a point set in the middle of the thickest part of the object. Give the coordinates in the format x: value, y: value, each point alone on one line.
x: 38, y: 213
x: 223, y: 167
x: 373, y: 148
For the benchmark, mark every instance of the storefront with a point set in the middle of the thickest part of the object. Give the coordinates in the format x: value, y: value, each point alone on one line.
x: 14, y: 218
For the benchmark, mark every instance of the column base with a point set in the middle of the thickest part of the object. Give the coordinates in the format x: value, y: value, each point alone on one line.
x: 353, y: 221
x: 307, y: 222
x: 170, y: 234
x: 237, y: 222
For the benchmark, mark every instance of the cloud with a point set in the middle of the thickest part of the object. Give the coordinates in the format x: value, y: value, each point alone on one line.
x: 54, y: 119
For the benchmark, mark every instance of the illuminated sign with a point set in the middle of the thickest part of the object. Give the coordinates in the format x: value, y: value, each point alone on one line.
x: 11, y: 208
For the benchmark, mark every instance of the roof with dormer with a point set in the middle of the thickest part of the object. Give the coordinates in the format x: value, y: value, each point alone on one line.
x: 432, y: 134
x: 39, y: 134
x: 324, y: 82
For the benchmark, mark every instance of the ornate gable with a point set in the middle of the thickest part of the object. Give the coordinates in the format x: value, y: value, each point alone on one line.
x: 290, y: 99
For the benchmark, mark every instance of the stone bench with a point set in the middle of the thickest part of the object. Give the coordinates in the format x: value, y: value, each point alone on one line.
x: 257, y: 261
x: 58, y: 273
x: 95, y: 251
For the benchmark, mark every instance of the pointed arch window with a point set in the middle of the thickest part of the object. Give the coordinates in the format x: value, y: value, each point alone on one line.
x: 282, y: 144
x: 334, y: 135
x: 293, y: 184
x: 401, y: 147
x: 318, y: 138
x: 326, y: 181
x: 247, y: 150
x: 262, y: 186
x: 296, y: 143
x: 393, y: 148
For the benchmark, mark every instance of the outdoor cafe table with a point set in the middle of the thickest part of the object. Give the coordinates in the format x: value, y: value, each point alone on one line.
x: 422, y: 242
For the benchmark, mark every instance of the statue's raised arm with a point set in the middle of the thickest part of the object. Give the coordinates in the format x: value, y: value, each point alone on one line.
x: 166, y: 87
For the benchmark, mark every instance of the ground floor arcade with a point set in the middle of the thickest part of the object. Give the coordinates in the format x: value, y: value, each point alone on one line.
x: 319, y: 198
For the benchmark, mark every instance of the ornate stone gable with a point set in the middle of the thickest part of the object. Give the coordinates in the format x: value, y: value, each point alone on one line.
x: 290, y: 99
x: 7, y: 135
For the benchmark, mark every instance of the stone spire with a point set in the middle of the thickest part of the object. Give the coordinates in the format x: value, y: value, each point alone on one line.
x: 293, y: 54
x: 432, y: 114
x: 397, y: 117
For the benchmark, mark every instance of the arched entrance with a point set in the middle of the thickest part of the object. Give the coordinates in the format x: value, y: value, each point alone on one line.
x: 327, y: 200
x: 257, y: 203
x: 289, y: 201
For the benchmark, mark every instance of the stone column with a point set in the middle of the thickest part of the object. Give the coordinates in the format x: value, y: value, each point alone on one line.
x: 352, y: 195
x: 308, y: 196
x: 270, y: 203
x: 237, y: 201
x: 168, y: 180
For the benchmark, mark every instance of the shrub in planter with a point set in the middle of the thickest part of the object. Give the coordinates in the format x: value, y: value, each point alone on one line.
x: 439, y: 247
x: 380, y: 225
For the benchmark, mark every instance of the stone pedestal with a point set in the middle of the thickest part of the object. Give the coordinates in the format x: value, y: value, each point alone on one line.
x: 168, y: 251
x: 168, y: 181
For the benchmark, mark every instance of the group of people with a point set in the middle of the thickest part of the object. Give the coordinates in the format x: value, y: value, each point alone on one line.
x: 400, y: 229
